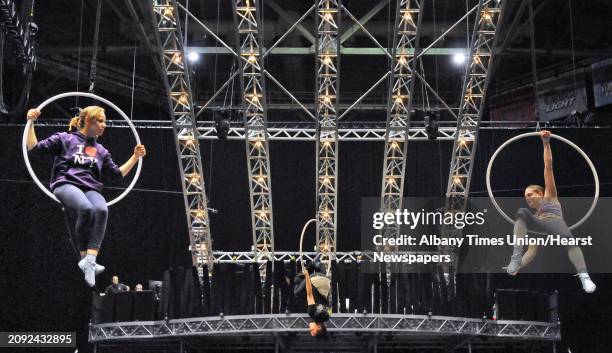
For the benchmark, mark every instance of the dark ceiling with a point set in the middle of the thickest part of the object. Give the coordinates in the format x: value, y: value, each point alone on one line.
x: 568, y: 34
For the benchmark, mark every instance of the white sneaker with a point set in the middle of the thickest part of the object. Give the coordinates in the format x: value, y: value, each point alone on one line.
x: 587, y: 284
x: 88, y: 266
x: 99, y: 269
x: 514, y: 265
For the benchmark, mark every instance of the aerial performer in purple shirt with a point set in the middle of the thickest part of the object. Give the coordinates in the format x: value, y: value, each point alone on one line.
x: 79, y: 164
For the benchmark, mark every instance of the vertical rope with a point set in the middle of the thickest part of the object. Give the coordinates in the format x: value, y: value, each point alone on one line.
x: 186, y: 24
x: 571, y: 21
x: 467, y: 24
x: 94, y: 58
x: 133, y: 81
x: 216, y: 45
x: 435, y: 36
x: 76, y: 99
x: 534, y: 72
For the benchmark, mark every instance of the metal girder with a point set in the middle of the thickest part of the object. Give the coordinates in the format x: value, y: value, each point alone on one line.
x: 343, y: 50
x: 347, y: 131
x: 290, y: 20
x: 484, y: 39
x: 296, y: 24
x: 362, y: 21
x: 406, y: 42
x: 339, y: 323
x: 176, y: 81
x: 327, y: 85
x: 247, y: 257
x: 357, y: 133
x: 248, y: 37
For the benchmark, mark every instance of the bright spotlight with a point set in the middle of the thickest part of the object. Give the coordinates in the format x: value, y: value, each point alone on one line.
x: 193, y: 56
x: 459, y: 58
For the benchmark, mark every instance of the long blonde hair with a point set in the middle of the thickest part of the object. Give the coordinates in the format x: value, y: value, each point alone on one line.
x: 84, y: 117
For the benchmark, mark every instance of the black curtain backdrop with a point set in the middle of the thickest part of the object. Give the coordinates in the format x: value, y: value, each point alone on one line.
x: 42, y: 288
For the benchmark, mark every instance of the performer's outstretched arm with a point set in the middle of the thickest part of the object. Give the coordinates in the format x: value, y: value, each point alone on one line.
x: 550, y: 189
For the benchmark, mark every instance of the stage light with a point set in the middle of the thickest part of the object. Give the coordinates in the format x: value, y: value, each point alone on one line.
x: 183, y: 99
x: 193, y: 56
x: 176, y: 59
x: 194, y: 178
x: 459, y: 58
x: 407, y: 16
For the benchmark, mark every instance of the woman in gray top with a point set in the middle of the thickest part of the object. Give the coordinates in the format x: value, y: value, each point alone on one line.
x: 547, y: 219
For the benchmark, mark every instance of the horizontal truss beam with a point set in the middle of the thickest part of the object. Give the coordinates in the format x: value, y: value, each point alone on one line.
x: 369, y: 131
x: 339, y: 323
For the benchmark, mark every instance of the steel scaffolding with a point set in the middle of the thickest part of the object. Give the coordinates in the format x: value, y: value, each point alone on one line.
x: 341, y: 256
x: 176, y: 82
x: 401, y: 84
x: 327, y: 81
x: 251, y: 61
x: 300, y: 131
x: 482, y: 47
x: 398, y: 325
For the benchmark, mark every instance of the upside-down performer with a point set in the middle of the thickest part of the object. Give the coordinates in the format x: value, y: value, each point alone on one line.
x: 76, y: 178
x: 317, y: 297
x: 548, y: 219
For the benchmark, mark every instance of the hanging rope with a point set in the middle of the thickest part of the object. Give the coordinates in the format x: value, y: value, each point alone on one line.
x: 78, y: 79
x: 133, y: 82
x: 424, y: 91
x: 94, y: 58
x: 571, y: 21
x: 534, y: 69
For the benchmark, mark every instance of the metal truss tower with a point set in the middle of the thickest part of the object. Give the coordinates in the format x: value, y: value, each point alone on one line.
x: 327, y: 80
x: 483, y: 43
x: 185, y: 131
x: 248, y: 36
x: 401, y: 84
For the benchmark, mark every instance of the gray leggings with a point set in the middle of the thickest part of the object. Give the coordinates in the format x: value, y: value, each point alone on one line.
x: 525, y: 220
x: 91, y: 213
x: 548, y: 226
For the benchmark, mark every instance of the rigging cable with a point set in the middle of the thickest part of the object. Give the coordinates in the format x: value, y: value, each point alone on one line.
x: 94, y: 58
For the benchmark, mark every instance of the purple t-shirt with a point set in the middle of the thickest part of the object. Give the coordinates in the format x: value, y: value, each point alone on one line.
x: 79, y: 160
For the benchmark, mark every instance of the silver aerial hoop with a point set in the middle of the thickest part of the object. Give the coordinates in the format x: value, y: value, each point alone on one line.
x: 557, y: 137
x: 89, y: 95
x: 328, y: 269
